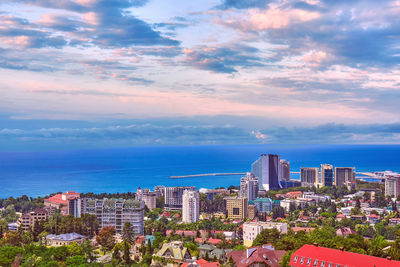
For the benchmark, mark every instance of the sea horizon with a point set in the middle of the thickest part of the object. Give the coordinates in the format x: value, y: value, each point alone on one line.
x: 112, y: 170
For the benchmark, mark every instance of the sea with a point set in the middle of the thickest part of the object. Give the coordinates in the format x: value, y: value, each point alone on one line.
x: 121, y: 170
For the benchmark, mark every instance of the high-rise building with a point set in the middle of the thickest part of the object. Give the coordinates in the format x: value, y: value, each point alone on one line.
x: 67, y: 203
x: 159, y: 190
x: 392, y: 186
x: 173, y: 196
x: 149, y: 198
x: 236, y: 207
x: 285, y: 170
x: 252, y: 229
x: 249, y: 186
x: 326, y: 178
x: 309, y: 177
x: 267, y: 169
x: 116, y: 212
x: 28, y: 220
x: 263, y: 205
x: 343, y: 175
x: 190, y: 206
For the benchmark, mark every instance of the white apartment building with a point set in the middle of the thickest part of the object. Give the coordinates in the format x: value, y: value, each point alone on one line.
x: 252, y: 229
x: 190, y: 206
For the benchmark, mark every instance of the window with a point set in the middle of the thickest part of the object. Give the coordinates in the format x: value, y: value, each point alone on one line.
x: 322, y: 263
x: 308, y: 261
x: 330, y: 264
x: 315, y: 263
x: 295, y: 259
x: 235, y: 211
x: 337, y: 265
x: 302, y: 260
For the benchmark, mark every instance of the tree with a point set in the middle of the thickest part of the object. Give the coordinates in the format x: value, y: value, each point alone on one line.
x: 88, y: 251
x: 127, y: 232
x: 266, y: 236
x: 13, y: 238
x: 75, y: 261
x: 116, y: 254
x: 127, y: 255
x: 8, y: 254
x: 106, y: 238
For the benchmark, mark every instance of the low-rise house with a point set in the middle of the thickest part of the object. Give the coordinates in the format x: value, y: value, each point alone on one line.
x: 13, y: 226
x: 317, y: 198
x: 340, y: 217
x: 174, y: 251
x: 373, y: 219
x: 212, y: 251
x: 345, y: 231
x: 201, y: 263
x: 256, y: 256
x: 182, y: 233
x: 394, y: 221
x: 305, y: 229
x: 346, y: 211
x: 357, y: 217
x: 368, y: 211
x: 64, y: 239
x: 313, y: 255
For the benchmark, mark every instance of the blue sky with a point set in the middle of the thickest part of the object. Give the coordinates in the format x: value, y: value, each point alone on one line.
x: 95, y: 73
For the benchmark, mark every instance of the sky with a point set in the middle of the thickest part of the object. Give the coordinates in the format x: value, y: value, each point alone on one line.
x: 110, y: 73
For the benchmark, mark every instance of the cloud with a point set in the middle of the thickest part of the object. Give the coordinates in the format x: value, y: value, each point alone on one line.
x: 243, y: 4
x: 223, y: 59
x: 104, y: 23
x: 332, y: 134
x: 133, y: 134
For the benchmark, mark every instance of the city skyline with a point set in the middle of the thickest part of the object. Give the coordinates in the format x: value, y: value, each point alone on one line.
x: 92, y: 73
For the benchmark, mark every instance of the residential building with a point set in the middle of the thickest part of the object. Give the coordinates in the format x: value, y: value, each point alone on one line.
x: 201, y: 263
x: 249, y: 186
x: 211, y: 193
x: 285, y: 203
x: 317, y: 198
x: 309, y: 176
x: 13, y: 226
x: 64, y: 239
x: 116, y: 212
x: 236, y: 207
x: 173, y: 196
x: 252, y: 229
x: 149, y: 198
x: 190, y: 206
x: 174, y: 251
x: 212, y: 251
x: 285, y: 170
x: 263, y: 205
x: 259, y: 256
x: 67, y: 203
x: 326, y: 178
x: 267, y: 169
x: 345, y: 231
x: 28, y: 220
x: 344, y: 175
x: 251, y: 211
x: 313, y: 255
x: 392, y: 186
x: 159, y: 190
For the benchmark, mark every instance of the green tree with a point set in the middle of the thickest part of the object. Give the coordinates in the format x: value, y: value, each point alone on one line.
x: 76, y: 261
x: 127, y: 232
x: 127, y: 255
x: 266, y: 236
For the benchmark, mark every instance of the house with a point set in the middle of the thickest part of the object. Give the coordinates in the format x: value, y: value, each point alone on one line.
x: 373, y: 219
x: 394, y: 221
x: 305, y: 229
x: 212, y: 252
x: 201, y: 263
x: 64, y: 239
x: 182, y: 233
x: 174, y: 251
x: 256, y: 256
x: 313, y: 255
x: 13, y: 226
x: 345, y: 231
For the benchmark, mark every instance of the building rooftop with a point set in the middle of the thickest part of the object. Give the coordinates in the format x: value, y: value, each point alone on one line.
x: 312, y: 255
x: 65, y: 237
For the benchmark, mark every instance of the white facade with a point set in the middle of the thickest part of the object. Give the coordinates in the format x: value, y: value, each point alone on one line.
x: 392, y: 186
x: 190, y: 206
x: 252, y: 229
x: 249, y: 186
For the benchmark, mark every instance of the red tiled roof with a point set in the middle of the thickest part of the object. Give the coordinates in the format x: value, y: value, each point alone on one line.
x: 57, y: 199
x: 259, y: 255
x: 335, y: 256
x: 213, y: 241
x: 373, y: 216
x: 305, y: 229
x: 202, y: 263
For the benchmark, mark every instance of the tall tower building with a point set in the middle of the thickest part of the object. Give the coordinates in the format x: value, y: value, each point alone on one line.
x: 392, y: 186
x: 309, y: 177
x: 190, y: 206
x: 326, y: 178
x: 344, y: 175
x: 236, y: 207
x: 173, y: 196
x: 249, y: 186
x: 285, y: 170
x: 267, y: 169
